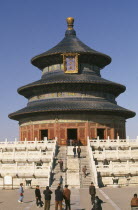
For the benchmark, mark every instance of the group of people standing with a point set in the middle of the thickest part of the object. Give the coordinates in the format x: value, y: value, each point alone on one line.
x: 60, y: 195
x: 77, y: 151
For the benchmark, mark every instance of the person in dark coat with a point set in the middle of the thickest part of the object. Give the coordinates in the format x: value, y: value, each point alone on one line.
x: 92, y: 192
x: 58, y: 198
x: 61, y: 180
x: 79, y: 151
x: 61, y: 165
x: 38, y: 196
x: 97, y: 203
x: 74, y: 151
x: 47, y: 195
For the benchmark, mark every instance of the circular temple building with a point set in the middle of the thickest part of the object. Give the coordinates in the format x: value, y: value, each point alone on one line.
x: 71, y: 100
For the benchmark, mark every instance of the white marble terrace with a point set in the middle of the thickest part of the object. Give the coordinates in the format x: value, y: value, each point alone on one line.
x: 114, y: 159
x: 26, y: 160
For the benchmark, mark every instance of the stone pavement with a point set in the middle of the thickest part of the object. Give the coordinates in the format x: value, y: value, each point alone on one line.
x: 114, y: 199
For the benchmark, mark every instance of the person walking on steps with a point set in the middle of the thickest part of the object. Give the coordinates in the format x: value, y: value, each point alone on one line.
x: 61, y: 165
x: 21, y: 191
x: 74, y: 151
x: 38, y: 196
x: 61, y: 180
x: 84, y: 169
x: 92, y: 192
x: 79, y: 151
x: 47, y: 195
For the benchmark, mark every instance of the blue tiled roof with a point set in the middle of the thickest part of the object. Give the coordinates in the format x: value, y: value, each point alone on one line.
x: 62, y: 105
x: 70, y: 44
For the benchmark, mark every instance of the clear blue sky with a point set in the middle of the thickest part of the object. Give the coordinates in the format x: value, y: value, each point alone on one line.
x: 30, y: 27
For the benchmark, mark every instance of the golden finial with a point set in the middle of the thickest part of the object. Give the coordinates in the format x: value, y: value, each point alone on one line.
x: 70, y: 21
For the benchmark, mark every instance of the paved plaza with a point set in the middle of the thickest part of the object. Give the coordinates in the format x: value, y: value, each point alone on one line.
x: 113, y: 198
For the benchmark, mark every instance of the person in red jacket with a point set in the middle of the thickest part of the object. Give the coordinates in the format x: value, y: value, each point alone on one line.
x: 66, y: 194
x: 134, y: 202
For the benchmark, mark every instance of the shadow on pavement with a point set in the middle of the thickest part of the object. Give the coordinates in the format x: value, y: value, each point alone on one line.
x: 28, y: 201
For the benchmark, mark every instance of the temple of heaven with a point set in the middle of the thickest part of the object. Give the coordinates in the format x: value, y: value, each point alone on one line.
x: 71, y: 100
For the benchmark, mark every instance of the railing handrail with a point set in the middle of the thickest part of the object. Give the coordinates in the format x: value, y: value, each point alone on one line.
x: 92, y: 162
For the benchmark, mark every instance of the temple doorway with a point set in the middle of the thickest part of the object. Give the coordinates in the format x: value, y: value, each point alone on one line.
x: 72, y: 136
x: 100, y: 133
x: 43, y: 133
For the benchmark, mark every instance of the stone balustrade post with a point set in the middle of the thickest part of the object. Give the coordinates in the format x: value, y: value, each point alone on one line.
x: 130, y: 153
x: 98, y: 142
x: 13, y: 156
x: 35, y: 142
x: 118, y: 140
x: 128, y: 140
x: 111, y: 167
x: 108, y: 141
x: 16, y: 167
x: 117, y: 153
x: 6, y: 142
x: 40, y: 154
x: 104, y: 153
x: 26, y: 154
x: 34, y: 167
x: 45, y: 141
x: 128, y: 166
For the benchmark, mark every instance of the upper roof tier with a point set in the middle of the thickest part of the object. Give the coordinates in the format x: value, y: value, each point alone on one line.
x: 70, y: 44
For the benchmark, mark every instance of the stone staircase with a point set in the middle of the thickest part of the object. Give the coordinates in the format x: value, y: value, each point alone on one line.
x: 83, y: 161
x: 61, y: 154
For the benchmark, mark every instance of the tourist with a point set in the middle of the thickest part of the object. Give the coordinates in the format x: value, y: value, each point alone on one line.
x: 58, y: 198
x: 134, y: 202
x: 92, y: 192
x: 47, y: 196
x: 74, y: 151
x: 79, y: 151
x: 21, y: 191
x: 84, y: 169
x: 71, y: 142
x: 97, y: 203
x: 61, y: 180
x: 66, y: 194
x: 61, y: 165
x: 61, y: 187
x: 38, y: 196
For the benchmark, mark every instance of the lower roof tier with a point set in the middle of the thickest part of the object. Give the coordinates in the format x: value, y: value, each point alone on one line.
x: 63, y: 105
x: 65, y: 82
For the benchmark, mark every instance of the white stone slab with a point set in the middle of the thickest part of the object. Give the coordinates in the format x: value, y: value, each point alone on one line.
x: 73, y: 179
x: 8, y: 180
x: 73, y: 164
x: 70, y: 150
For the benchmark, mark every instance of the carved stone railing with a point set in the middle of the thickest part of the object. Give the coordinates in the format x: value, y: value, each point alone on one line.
x: 27, y: 144
x: 116, y: 154
x: 92, y: 163
x: 114, y: 142
x: 27, y: 159
x: 127, y: 168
